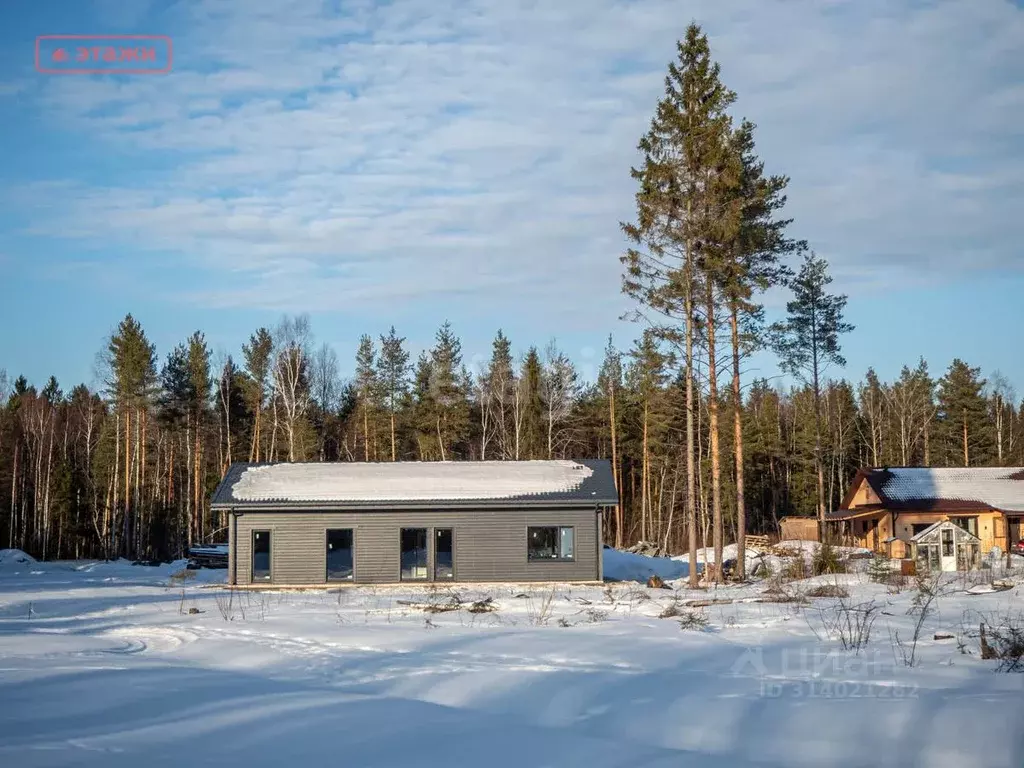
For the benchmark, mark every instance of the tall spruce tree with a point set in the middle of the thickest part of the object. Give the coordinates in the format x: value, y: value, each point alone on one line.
x: 530, y: 408
x: 807, y: 343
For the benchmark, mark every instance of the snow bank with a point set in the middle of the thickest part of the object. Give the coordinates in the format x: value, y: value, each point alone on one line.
x: 12, y: 557
x: 626, y: 566
x: 353, y: 481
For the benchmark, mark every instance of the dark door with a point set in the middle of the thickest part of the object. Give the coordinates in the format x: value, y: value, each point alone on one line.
x: 444, y: 554
x: 261, y: 555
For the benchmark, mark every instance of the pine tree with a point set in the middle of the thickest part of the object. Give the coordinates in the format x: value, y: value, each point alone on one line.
x: 808, y: 343
x: 964, y: 424
x: 393, y: 376
x: 680, y: 210
x: 450, y: 391
x: 609, y: 382
x: 424, y: 408
x: 646, y: 378
x: 258, y: 354
x: 750, y: 265
x: 495, y: 394
x: 200, y: 381
x: 131, y: 379
x: 366, y: 386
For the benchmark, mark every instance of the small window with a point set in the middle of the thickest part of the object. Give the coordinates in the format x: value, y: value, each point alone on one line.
x: 339, y: 555
x: 918, y: 527
x: 414, y: 553
x: 261, y: 555
x: 550, y: 543
x: 444, y: 554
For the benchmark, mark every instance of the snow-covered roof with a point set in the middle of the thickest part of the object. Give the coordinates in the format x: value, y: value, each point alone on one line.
x: 398, y: 483
x: 999, y: 488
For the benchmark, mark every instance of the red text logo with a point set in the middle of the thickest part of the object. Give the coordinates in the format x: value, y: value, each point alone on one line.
x: 104, y: 54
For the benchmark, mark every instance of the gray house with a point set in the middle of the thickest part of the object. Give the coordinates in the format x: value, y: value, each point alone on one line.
x: 311, y: 524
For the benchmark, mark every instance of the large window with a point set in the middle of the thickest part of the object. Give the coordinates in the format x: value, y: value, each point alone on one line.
x: 444, y: 554
x: 261, y: 555
x: 550, y: 542
x: 339, y: 555
x: 414, y: 553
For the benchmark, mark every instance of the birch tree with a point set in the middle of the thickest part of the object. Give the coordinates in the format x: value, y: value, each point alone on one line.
x: 292, y: 339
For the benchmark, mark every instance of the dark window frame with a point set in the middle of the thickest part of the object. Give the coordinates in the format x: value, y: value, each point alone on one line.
x: 558, y: 542
x: 352, y: 547
x: 427, y: 543
x: 270, y: 555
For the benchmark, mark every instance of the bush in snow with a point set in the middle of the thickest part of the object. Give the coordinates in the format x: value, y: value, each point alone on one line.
x: 826, y: 560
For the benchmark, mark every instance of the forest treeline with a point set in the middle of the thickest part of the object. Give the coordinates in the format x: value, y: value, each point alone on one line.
x: 701, y: 455
x: 129, y: 469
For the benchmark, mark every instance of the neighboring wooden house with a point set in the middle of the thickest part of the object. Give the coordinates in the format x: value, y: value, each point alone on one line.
x: 310, y: 524
x: 886, y: 508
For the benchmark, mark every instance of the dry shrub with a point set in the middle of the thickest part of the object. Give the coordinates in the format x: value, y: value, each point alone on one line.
x: 1004, y: 641
x: 826, y: 560
x: 693, y: 620
x: 849, y: 623
x: 671, y: 611
x: 828, y: 590
x: 794, y: 569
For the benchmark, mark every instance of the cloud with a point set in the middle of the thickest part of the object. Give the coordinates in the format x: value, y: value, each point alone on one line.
x: 302, y: 156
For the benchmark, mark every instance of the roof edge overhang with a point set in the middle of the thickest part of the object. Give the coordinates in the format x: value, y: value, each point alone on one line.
x: 386, y: 506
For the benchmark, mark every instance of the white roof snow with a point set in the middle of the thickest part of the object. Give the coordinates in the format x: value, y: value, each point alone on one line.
x: 408, y: 481
x: 1000, y: 487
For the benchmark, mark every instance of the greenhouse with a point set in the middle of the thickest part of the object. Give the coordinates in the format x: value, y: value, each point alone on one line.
x: 945, y: 546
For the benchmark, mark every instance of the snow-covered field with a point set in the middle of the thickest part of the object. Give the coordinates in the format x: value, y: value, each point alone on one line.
x: 110, y: 664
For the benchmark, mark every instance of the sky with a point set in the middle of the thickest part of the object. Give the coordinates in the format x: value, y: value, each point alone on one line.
x: 417, y: 161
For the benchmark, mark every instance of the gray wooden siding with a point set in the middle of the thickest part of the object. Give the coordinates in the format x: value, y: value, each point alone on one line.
x: 490, y: 545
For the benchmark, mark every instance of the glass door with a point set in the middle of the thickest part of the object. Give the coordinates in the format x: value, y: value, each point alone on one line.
x: 261, y: 555
x: 414, y: 553
x: 444, y: 554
